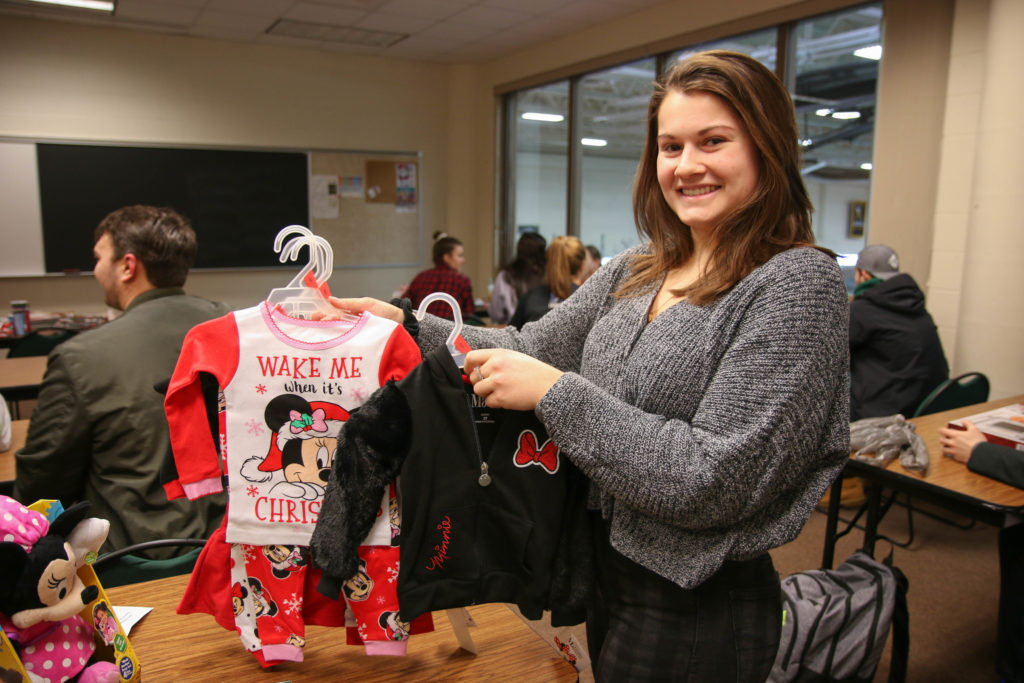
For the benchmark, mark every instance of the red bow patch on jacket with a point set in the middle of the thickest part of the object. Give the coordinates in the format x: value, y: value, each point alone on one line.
x: 528, y: 454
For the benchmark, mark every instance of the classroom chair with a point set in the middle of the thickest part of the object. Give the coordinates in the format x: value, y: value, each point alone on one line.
x: 123, y: 566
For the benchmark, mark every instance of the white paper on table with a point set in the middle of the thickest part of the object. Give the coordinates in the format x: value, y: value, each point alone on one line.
x: 129, y: 616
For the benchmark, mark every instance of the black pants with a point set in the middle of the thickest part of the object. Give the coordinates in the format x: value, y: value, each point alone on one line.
x: 643, y: 627
x: 1010, y: 638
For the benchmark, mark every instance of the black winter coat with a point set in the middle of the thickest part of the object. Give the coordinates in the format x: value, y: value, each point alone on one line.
x: 896, y: 357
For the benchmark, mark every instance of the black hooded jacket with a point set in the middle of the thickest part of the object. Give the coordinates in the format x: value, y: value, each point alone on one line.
x: 896, y: 358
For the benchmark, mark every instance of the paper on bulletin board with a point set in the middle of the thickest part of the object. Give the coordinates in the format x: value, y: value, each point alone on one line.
x: 350, y: 186
x: 405, y: 187
x: 323, y: 191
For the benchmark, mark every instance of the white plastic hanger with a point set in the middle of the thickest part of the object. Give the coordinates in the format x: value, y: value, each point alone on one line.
x: 458, y: 356
x: 296, y: 299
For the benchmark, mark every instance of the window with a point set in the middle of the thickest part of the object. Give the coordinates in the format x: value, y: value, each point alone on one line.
x: 539, y: 123
x: 612, y: 113
x: 834, y: 84
x: 583, y: 185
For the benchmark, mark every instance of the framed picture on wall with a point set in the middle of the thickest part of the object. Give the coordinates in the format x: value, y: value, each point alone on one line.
x: 855, y: 225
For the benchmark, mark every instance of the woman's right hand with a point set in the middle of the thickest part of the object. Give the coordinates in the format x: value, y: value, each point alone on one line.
x: 375, y: 306
x: 958, y: 443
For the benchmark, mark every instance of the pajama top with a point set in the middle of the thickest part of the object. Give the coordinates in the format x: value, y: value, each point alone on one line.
x: 288, y: 387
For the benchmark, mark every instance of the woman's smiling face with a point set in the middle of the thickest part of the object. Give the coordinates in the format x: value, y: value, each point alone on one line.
x: 708, y: 164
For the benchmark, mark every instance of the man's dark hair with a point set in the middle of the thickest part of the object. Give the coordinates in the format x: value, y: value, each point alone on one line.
x: 161, y: 239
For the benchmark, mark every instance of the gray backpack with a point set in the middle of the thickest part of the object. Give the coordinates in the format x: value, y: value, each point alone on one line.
x: 835, y: 622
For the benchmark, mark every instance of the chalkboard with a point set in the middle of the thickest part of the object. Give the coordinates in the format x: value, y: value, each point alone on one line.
x: 237, y: 200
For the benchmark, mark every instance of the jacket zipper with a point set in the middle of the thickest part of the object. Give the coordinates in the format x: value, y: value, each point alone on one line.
x: 485, y: 478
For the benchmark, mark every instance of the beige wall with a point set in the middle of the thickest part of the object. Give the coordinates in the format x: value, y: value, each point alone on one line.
x: 976, y: 277
x: 71, y: 82
x: 909, y: 116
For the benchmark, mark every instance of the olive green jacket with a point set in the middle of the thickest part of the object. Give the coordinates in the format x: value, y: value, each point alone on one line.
x: 99, y: 432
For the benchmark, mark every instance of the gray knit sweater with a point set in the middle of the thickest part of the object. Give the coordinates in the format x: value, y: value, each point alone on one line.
x: 709, y: 433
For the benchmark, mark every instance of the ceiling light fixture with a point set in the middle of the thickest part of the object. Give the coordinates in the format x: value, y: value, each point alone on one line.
x: 846, y: 115
x: 593, y: 142
x: 538, y: 116
x: 867, y: 166
x: 82, y: 4
x: 823, y: 112
x: 870, y: 52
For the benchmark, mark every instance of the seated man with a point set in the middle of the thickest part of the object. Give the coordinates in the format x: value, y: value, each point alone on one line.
x: 896, y: 357
x: 99, y: 432
x: 1006, y: 464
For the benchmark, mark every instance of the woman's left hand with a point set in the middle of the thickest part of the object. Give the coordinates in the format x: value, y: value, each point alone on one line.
x: 509, y: 379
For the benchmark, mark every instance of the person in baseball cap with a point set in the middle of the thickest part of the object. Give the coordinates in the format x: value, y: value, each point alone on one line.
x: 878, y: 260
x: 896, y: 356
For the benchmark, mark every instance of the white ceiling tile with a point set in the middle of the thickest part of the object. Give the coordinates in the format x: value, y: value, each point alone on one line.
x: 585, y: 12
x: 351, y: 49
x: 399, y: 23
x: 194, y: 4
x: 224, y: 33
x: 338, y: 16
x: 452, y: 32
x: 163, y: 13
x: 491, y: 16
x: 238, y: 22
x: 364, y: 5
x: 431, y: 9
x: 528, y: 6
x: 274, y: 7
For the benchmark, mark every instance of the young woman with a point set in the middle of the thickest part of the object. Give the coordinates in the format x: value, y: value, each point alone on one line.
x: 515, y: 279
x: 448, y: 257
x: 564, y: 270
x: 700, y: 381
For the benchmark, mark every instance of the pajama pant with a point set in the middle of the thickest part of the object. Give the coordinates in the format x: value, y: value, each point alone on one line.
x: 267, y: 588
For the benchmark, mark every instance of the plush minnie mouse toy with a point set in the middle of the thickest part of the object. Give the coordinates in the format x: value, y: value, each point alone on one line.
x: 41, y: 593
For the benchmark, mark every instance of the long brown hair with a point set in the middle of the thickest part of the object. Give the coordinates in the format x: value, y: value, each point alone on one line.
x: 776, y: 216
x: 565, y: 259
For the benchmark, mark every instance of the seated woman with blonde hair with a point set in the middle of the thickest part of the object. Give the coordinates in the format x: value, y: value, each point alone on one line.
x: 564, y: 273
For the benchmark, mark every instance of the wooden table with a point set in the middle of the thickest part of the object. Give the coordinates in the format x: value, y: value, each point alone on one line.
x: 175, y: 647
x: 19, y: 429
x: 20, y: 379
x: 21, y: 373
x: 948, y: 483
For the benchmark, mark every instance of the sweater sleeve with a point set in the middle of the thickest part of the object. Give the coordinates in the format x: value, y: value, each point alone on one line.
x: 999, y: 462
x: 773, y: 415
x: 211, y: 347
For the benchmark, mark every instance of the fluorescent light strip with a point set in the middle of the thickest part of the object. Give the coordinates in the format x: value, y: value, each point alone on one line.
x: 537, y: 116
x: 81, y: 4
x: 846, y: 115
x: 593, y: 142
x: 870, y: 52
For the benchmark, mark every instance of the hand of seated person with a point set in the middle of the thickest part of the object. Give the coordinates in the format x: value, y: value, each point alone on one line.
x: 958, y: 443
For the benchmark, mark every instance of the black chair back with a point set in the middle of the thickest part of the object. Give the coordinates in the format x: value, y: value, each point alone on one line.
x: 39, y: 342
x: 966, y: 390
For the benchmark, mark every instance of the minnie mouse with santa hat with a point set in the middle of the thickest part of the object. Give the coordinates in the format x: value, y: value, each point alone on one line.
x: 302, y: 446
